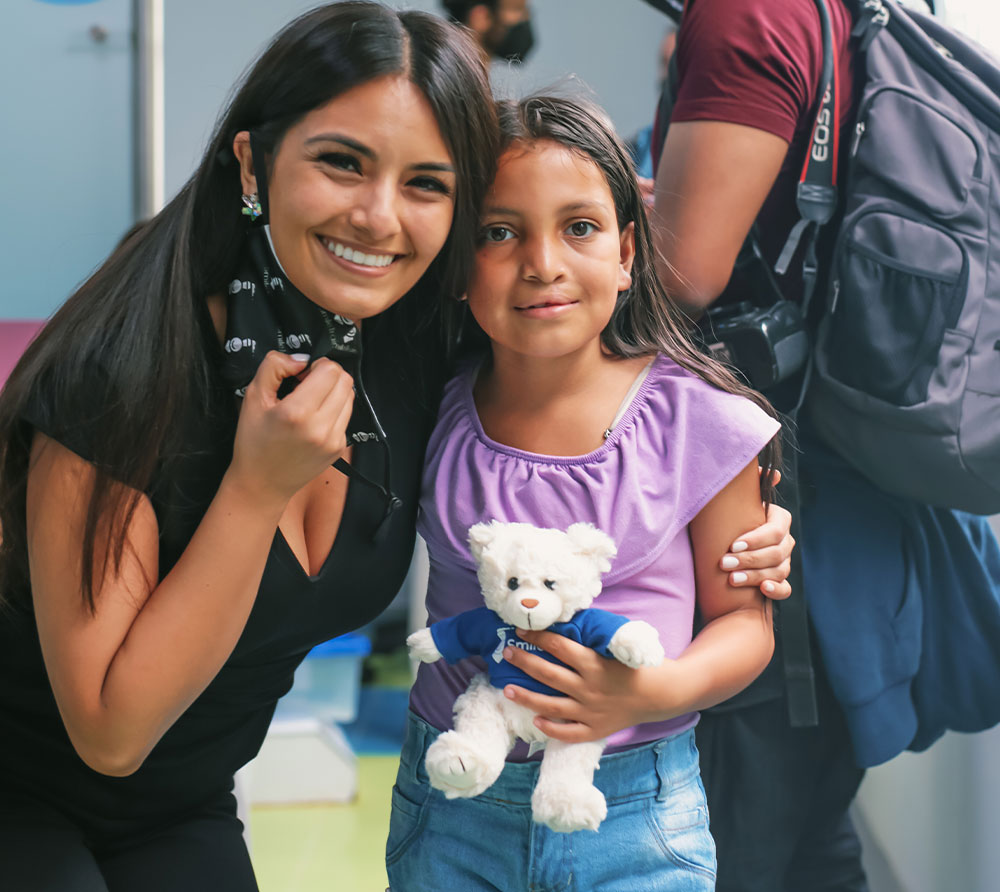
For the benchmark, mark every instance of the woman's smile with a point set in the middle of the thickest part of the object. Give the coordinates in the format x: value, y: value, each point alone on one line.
x: 357, y: 258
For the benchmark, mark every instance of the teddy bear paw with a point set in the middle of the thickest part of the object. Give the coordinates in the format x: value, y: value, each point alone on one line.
x: 567, y: 810
x: 637, y: 644
x: 456, y: 769
x: 422, y: 646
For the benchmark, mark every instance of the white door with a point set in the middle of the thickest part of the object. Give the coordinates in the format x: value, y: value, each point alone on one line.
x: 66, y: 146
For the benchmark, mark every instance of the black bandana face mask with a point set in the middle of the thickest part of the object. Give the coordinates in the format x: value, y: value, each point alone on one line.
x: 265, y: 311
x: 517, y: 43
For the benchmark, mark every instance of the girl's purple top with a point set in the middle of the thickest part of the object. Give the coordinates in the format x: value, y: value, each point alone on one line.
x: 678, y: 443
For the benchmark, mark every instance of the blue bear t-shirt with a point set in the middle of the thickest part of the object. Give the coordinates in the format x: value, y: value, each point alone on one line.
x: 481, y: 632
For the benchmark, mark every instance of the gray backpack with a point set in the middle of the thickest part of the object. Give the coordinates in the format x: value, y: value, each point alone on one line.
x: 905, y: 378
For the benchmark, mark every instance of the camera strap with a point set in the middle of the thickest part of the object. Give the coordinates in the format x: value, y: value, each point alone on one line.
x: 816, y: 194
x: 816, y: 200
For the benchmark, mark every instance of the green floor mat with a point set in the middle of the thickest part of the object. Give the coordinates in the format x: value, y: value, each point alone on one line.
x: 326, y: 848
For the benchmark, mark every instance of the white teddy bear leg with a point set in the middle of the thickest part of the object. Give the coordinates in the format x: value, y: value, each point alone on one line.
x: 466, y: 761
x: 637, y: 644
x: 565, y: 798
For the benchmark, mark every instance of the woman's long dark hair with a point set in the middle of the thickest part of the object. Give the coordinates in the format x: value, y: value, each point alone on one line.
x: 645, y: 320
x: 141, y: 324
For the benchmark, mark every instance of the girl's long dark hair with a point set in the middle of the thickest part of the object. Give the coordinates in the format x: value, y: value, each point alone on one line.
x: 140, y: 323
x: 645, y: 320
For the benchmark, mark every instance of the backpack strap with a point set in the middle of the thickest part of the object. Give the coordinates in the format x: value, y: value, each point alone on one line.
x: 670, y: 8
x: 668, y: 98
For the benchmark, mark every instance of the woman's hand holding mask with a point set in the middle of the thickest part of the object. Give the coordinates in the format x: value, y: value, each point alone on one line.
x: 282, y: 444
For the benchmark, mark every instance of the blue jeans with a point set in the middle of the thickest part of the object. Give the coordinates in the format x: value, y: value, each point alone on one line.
x: 654, y: 839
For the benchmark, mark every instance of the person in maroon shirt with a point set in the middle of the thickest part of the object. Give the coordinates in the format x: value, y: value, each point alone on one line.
x: 748, y: 75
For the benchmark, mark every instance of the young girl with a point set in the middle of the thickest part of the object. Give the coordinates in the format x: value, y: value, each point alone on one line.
x: 591, y: 405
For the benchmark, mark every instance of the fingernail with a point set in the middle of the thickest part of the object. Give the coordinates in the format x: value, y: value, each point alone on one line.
x: 739, y: 578
x: 738, y: 547
x: 508, y: 693
x: 300, y: 357
x: 730, y: 563
x: 508, y: 652
x: 769, y: 587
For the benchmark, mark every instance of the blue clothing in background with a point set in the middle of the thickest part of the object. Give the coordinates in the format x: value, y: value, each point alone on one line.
x: 483, y: 633
x: 905, y: 601
x: 640, y: 147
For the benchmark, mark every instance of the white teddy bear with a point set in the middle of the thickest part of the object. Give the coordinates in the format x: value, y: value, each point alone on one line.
x: 531, y: 578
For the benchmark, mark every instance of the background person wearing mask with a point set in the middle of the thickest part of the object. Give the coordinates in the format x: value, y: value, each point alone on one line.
x: 502, y: 27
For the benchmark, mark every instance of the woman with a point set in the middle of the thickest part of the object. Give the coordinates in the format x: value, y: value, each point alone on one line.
x: 171, y: 550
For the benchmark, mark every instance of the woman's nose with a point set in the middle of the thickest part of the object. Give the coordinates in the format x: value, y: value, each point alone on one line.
x: 375, y: 214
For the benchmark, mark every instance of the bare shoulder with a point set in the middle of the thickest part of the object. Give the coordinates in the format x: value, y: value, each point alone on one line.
x: 59, y: 489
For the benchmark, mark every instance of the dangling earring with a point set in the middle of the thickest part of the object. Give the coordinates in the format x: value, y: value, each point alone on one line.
x: 252, y: 208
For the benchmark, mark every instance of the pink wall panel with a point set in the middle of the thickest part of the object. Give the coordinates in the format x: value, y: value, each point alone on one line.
x: 15, y: 335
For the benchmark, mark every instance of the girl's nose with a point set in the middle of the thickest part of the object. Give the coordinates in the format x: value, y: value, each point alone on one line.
x: 542, y: 260
x: 529, y: 602
x: 375, y: 214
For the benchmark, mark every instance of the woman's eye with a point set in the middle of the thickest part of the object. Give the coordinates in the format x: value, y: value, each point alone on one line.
x: 581, y: 228
x: 341, y: 161
x: 430, y: 184
x: 496, y: 234
x: 513, y: 583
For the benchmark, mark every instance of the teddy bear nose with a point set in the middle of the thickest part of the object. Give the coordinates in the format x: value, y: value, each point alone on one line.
x: 529, y: 602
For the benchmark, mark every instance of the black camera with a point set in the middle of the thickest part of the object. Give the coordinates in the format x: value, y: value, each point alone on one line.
x: 766, y: 345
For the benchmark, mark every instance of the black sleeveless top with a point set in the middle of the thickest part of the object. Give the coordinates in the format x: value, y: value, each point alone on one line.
x: 224, y: 728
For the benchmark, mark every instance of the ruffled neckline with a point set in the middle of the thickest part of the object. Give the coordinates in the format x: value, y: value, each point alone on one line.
x: 624, y: 423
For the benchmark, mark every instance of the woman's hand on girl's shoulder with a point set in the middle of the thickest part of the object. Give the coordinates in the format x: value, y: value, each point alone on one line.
x: 762, y: 557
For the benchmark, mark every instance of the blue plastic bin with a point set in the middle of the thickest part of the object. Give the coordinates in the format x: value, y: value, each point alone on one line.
x: 328, y: 681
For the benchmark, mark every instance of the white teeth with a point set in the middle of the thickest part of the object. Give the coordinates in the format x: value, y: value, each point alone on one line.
x: 358, y: 257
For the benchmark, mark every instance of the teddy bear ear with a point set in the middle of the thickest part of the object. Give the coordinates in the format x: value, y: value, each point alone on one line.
x: 481, y: 536
x: 592, y: 542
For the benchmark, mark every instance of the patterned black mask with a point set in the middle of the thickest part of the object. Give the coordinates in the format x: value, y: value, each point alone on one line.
x: 265, y: 311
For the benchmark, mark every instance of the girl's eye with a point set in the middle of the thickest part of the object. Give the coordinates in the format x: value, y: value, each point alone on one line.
x: 496, y: 234
x: 341, y: 161
x: 430, y: 184
x: 581, y: 228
